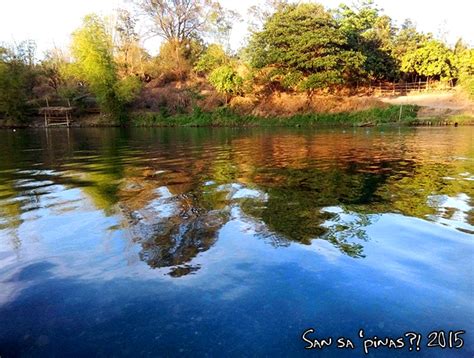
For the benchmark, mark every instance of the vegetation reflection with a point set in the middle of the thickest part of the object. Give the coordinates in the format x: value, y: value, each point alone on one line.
x: 175, y: 196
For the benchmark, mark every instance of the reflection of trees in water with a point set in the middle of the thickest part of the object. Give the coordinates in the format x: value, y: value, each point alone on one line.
x: 173, y: 228
x: 293, y: 211
x: 344, y: 227
x: 301, y: 174
x: 288, y: 225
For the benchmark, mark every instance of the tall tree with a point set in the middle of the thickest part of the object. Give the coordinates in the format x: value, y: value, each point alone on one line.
x: 182, y: 20
x: 92, y: 50
x: 129, y: 55
x: 464, y: 56
x: 371, y: 33
x: 432, y: 60
x: 303, y: 41
x: 17, y: 78
x: 408, y: 39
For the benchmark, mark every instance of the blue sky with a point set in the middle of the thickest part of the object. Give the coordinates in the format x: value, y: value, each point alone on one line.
x: 50, y: 22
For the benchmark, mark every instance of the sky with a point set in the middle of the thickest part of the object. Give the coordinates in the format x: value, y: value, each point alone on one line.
x: 50, y: 22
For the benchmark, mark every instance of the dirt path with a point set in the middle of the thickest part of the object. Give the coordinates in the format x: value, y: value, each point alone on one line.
x: 436, y: 104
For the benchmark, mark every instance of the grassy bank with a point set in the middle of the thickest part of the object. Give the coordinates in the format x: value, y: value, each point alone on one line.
x: 225, y: 117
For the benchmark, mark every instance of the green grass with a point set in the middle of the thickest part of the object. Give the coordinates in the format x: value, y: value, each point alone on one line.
x: 224, y: 117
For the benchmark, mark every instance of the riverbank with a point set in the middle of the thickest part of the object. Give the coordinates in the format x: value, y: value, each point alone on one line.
x: 406, y: 115
x: 226, y: 116
x: 289, y: 110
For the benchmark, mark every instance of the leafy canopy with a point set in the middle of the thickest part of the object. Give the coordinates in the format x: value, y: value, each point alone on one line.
x: 92, y: 49
x: 226, y: 80
x: 370, y: 33
x: 305, y: 38
x: 430, y: 60
x: 214, y: 56
x: 18, y: 75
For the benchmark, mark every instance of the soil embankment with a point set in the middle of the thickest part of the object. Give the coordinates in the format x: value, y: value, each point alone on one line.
x: 438, y: 105
x: 197, y: 104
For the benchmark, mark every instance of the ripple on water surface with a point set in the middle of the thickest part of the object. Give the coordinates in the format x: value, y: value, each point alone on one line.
x: 229, y: 241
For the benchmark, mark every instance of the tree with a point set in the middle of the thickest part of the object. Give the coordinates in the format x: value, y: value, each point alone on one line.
x: 433, y: 59
x: 92, y: 49
x: 372, y: 34
x: 226, y: 81
x: 258, y: 14
x: 408, y: 39
x: 305, y: 38
x: 181, y: 20
x: 129, y: 55
x: 176, y: 59
x: 214, y: 56
x: 17, y: 78
x: 465, y: 64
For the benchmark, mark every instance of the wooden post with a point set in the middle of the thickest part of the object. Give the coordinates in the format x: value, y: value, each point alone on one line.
x: 45, y: 120
x: 400, y: 115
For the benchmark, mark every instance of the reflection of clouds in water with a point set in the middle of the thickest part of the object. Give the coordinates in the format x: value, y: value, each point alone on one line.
x: 467, y: 176
x: 452, y: 211
x: 240, y: 251
x: 249, y: 194
x: 400, y: 249
x: 164, y: 192
x: 325, y: 249
x: 162, y: 208
x: 92, y: 244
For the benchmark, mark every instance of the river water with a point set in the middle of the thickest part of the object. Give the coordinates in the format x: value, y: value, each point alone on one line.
x: 234, y: 242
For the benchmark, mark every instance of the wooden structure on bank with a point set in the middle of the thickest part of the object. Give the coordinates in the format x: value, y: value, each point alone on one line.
x: 56, y: 116
x: 404, y: 88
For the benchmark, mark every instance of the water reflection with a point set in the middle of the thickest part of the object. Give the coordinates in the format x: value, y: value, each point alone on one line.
x: 173, y: 190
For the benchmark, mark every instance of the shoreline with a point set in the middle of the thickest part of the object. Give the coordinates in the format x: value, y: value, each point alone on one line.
x: 393, y: 115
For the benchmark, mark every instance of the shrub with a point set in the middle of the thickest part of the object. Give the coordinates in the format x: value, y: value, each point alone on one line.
x: 226, y: 81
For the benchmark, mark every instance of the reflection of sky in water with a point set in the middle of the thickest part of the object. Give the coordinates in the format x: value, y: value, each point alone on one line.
x: 452, y: 211
x: 70, y: 264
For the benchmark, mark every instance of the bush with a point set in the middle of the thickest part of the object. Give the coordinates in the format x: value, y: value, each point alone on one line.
x: 128, y: 89
x: 213, y: 57
x: 226, y: 81
x: 17, y: 79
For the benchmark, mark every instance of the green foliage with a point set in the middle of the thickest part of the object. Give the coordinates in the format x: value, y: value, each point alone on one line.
x: 92, y: 50
x: 408, y: 40
x: 292, y: 79
x: 371, y: 34
x: 214, y: 56
x: 433, y: 59
x: 226, y: 117
x: 176, y: 59
x: 17, y: 79
x: 128, y: 88
x: 305, y: 38
x: 465, y: 65
x: 226, y: 80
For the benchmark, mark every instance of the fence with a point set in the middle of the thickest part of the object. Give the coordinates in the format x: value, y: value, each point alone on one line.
x: 384, y: 89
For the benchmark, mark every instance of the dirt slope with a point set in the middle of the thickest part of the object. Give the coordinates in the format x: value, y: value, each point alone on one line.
x: 436, y: 104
